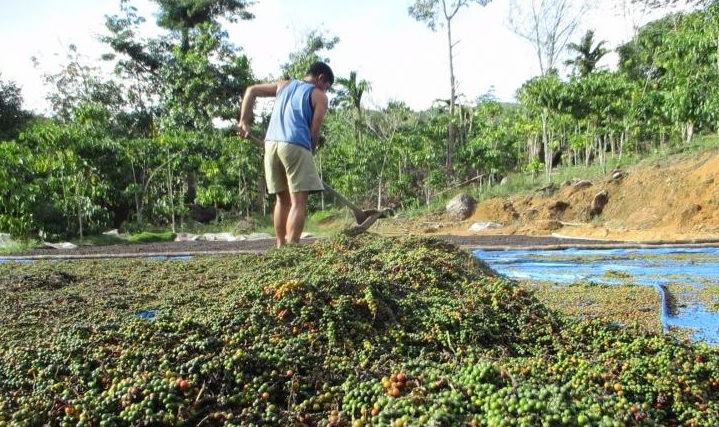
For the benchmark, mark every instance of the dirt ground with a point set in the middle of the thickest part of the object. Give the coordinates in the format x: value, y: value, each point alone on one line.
x: 674, y: 200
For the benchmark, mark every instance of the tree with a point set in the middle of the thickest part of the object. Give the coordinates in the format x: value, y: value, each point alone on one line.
x: 489, y: 150
x: 691, y: 76
x: 663, y: 4
x: 204, y: 83
x: 300, y: 60
x: 18, y: 189
x: 435, y: 12
x: 350, y: 91
x: 185, y: 15
x: 349, y: 95
x: 143, y: 56
x: 602, y: 105
x: 637, y: 58
x: 547, y: 25
x: 588, y: 55
x: 543, y: 97
x: 388, y: 149
x: 80, y: 82
x: 175, y: 86
x: 12, y: 116
x: 71, y: 192
x: 137, y: 64
x: 188, y: 77
x: 675, y: 60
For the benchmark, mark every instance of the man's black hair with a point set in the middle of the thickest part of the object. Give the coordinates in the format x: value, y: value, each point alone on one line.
x: 318, y: 68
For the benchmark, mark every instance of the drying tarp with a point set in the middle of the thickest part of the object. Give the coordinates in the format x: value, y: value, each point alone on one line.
x: 650, y: 266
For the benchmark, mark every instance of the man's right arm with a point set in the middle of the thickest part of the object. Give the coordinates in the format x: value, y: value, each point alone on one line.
x: 248, y: 103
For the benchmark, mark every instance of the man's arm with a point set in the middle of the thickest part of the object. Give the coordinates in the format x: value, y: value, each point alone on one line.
x: 319, y: 107
x: 248, y: 103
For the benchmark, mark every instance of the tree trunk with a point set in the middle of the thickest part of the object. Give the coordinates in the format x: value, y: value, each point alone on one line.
x: 170, y: 193
x: 588, y: 153
x: 452, y: 88
x: 533, y: 147
x: 78, y: 202
x: 261, y: 200
x: 138, y: 197
x: 379, y: 182
x: 379, y: 194
x: 452, y: 131
x: 545, y: 144
x: 689, y: 132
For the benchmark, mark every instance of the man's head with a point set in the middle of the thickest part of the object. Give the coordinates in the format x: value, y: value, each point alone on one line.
x: 321, y: 75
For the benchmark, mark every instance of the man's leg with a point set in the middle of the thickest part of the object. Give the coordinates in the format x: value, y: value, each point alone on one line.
x: 282, y: 211
x: 296, y: 217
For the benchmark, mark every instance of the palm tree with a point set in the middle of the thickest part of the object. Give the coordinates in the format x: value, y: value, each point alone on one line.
x: 349, y: 95
x: 588, y: 55
x: 350, y: 92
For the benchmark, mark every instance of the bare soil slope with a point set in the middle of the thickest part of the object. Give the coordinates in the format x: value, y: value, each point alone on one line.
x: 673, y: 199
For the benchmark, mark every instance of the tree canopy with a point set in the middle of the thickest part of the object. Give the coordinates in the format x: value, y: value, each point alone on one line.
x: 12, y: 115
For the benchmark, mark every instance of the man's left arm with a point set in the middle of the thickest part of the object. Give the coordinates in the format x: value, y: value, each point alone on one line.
x: 319, y: 107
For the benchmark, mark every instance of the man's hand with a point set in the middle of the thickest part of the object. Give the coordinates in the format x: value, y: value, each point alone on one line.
x: 243, y: 129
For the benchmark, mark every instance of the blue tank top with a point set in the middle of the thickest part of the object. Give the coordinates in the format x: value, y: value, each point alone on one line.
x: 292, y: 115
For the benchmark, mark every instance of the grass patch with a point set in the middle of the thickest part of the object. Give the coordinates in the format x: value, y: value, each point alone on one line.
x: 328, y: 221
x: 151, y: 236
x: 15, y: 247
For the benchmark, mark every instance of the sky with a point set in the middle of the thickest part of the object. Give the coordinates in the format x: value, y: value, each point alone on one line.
x: 401, y: 58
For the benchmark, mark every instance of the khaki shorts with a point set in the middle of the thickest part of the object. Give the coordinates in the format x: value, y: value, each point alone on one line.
x: 290, y: 167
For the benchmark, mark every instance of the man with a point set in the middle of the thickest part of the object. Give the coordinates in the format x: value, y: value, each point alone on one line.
x: 291, y: 139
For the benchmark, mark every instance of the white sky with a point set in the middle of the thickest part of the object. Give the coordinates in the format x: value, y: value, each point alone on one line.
x: 401, y: 58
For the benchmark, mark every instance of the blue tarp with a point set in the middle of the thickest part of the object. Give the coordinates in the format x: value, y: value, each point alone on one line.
x: 147, y: 314
x: 6, y: 259
x: 654, y: 266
